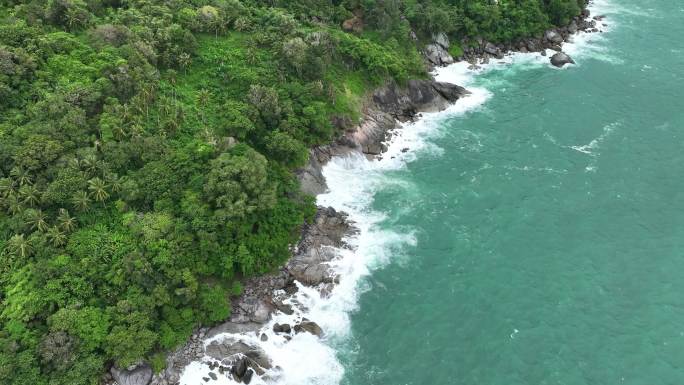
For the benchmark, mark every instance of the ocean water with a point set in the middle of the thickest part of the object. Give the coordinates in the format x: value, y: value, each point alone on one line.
x: 546, y: 225
x: 533, y: 233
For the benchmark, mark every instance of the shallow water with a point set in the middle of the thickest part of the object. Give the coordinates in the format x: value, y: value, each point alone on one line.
x: 537, y: 238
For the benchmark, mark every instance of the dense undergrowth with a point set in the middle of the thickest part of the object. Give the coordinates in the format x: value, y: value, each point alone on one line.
x: 147, y: 151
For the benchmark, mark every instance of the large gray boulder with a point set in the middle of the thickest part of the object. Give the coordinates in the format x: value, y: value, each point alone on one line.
x: 230, y: 349
x: 309, y: 327
x: 437, y: 55
x: 560, y: 59
x: 311, y: 177
x: 491, y: 49
x: 553, y: 37
x: 139, y: 375
x: 442, y: 39
x: 234, y: 328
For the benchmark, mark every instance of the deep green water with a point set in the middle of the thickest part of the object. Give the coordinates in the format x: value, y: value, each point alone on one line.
x: 535, y: 262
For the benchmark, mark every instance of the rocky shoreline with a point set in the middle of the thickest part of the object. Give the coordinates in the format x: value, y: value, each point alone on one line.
x: 383, y: 114
x: 479, y: 51
x: 385, y: 109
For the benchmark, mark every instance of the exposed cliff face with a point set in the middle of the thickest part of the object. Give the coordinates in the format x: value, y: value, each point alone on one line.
x: 385, y: 109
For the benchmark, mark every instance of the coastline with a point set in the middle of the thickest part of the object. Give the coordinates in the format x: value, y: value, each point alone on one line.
x: 273, y: 308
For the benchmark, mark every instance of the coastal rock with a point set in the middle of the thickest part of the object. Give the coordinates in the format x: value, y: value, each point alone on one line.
x: 311, y: 178
x: 234, y: 328
x: 533, y: 45
x: 560, y: 59
x: 441, y: 39
x: 309, y: 264
x: 230, y: 349
x: 437, y: 55
x: 239, y: 369
x: 419, y: 95
x: 553, y: 37
x: 139, y: 375
x: 248, y: 376
x: 309, y: 327
x: 284, y: 328
x: 282, y: 307
x: 491, y: 49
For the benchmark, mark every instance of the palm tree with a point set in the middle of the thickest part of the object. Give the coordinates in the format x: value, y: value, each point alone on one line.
x: 19, y: 246
x: 14, y: 205
x: 36, y: 220
x: 184, y: 61
x: 75, y: 163
x: 8, y: 187
x: 120, y: 132
x: 90, y: 164
x: 21, y: 175
x: 81, y: 201
x: 251, y: 55
x: 66, y: 221
x: 30, y: 195
x: 115, y: 183
x: 56, y: 236
x: 98, y: 189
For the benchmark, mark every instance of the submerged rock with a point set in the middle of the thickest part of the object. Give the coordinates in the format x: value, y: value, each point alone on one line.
x: 560, y: 59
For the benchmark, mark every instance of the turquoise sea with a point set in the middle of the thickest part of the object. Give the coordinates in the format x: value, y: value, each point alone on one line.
x: 534, y: 235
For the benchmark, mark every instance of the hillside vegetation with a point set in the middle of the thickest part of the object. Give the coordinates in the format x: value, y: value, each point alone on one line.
x: 147, y: 151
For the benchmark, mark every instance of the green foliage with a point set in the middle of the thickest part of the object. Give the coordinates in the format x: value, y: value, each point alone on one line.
x: 147, y: 152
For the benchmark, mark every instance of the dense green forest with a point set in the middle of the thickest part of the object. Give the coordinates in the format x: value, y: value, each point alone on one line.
x: 147, y: 151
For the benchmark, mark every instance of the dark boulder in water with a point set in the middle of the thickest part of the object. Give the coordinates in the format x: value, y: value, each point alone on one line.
x: 248, y: 376
x: 284, y: 328
x: 309, y: 327
x: 240, y: 368
x: 560, y: 59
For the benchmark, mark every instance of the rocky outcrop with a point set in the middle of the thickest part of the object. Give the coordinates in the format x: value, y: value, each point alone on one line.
x: 230, y: 352
x: 354, y: 24
x: 138, y: 375
x: 442, y: 39
x: 437, y: 52
x: 309, y: 264
x: 437, y: 55
x: 478, y: 50
x: 392, y: 104
x: 385, y: 107
x: 553, y: 36
x: 310, y: 177
x: 560, y: 59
